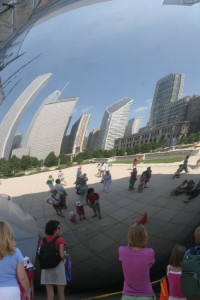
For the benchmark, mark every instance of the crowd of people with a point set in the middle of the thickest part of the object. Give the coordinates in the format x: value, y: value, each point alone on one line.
x: 17, y: 272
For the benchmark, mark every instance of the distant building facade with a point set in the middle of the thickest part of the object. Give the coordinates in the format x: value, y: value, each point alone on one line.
x: 49, y: 128
x: 133, y: 126
x: 166, y: 132
x: 180, y: 2
x: 92, y: 138
x: 193, y: 113
x: 17, y: 141
x: 77, y: 135
x: 113, y: 123
x: 168, y: 90
x: 15, y: 114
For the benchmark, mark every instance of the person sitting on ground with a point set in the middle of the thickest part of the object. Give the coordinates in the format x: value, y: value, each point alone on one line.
x: 193, y: 193
x: 185, y: 187
x: 178, y: 172
x: 92, y: 199
x: 181, y: 188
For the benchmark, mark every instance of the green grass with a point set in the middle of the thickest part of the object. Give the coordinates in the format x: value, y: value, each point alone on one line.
x: 153, y: 161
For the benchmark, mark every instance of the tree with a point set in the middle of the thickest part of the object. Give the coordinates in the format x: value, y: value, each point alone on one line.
x: 35, y: 162
x: 25, y: 162
x: 64, y: 159
x: 15, y: 163
x: 51, y: 160
x: 120, y: 152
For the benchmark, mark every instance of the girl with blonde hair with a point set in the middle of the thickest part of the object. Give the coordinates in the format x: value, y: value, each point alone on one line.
x: 11, y: 267
x: 136, y: 261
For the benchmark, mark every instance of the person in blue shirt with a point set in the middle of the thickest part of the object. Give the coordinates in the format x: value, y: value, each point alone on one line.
x: 12, y: 268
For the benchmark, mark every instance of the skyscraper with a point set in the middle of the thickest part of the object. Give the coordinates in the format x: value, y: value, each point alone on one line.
x: 77, y: 135
x: 133, y: 126
x: 49, y: 128
x: 13, y: 117
x: 113, y: 123
x: 168, y: 89
x: 180, y: 2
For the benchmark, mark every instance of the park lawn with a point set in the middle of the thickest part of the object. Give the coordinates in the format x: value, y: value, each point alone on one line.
x: 153, y: 161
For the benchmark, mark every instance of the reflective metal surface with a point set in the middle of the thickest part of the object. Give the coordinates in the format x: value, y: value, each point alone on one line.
x: 97, y: 53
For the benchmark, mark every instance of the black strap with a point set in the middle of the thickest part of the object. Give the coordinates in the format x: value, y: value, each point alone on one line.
x: 45, y: 240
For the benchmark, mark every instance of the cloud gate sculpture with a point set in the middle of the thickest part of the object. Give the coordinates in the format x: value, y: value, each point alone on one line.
x: 71, y: 71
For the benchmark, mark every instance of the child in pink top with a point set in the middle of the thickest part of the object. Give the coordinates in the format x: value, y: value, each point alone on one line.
x: 174, y: 273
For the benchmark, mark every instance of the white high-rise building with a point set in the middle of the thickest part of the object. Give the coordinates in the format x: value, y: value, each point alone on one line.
x: 113, y: 123
x: 133, y: 126
x: 14, y: 116
x: 49, y: 127
x: 77, y: 135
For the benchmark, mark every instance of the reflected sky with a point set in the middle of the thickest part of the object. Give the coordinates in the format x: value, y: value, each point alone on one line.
x: 107, y: 51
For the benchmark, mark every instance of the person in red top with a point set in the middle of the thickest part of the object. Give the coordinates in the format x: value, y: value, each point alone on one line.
x: 135, y: 161
x: 92, y: 200
x: 54, y: 276
x: 80, y: 210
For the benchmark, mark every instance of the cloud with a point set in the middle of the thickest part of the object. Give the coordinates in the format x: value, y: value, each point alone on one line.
x: 86, y: 109
x: 141, y: 108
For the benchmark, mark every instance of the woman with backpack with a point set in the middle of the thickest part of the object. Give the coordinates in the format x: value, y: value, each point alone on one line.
x: 52, y: 260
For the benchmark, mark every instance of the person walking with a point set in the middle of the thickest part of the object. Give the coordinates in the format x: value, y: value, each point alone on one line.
x: 142, y: 182
x: 50, y: 182
x: 62, y: 193
x: 82, y: 190
x: 12, y: 268
x: 136, y: 260
x: 185, y: 164
x: 54, y: 276
x: 132, y: 179
x: 107, y: 179
x: 147, y: 176
x: 174, y: 272
x: 61, y: 177
x: 55, y: 201
x: 92, y: 199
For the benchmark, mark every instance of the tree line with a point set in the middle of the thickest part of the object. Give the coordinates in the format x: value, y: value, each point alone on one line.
x: 16, y: 166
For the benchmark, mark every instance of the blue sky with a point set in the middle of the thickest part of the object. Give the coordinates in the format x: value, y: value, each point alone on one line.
x: 107, y: 51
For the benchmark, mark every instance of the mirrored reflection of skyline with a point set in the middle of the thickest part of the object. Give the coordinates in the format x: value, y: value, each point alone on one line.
x: 106, y: 51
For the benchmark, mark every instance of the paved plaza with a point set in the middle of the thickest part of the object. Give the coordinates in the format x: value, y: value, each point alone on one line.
x: 95, y: 242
